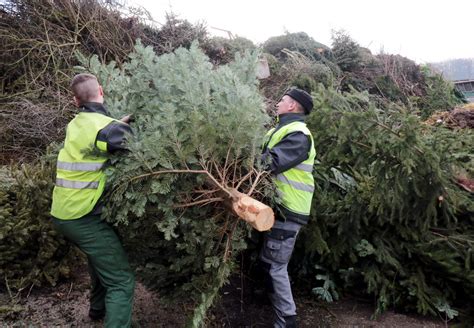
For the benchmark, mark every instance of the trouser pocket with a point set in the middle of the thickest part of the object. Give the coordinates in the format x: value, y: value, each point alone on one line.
x: 278, y: 245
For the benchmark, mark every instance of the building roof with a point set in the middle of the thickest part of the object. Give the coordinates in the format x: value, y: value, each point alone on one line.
x: 463, y: 81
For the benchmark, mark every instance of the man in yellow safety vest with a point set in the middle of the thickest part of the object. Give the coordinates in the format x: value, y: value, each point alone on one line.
x: 288, y: 152
x: 77, y: 205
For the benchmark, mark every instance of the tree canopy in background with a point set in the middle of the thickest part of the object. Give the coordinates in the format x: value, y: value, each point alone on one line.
x: 456, y: 69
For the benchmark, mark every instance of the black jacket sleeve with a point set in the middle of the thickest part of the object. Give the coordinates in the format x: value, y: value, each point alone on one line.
x: 115, y: 135
x: 289, y: 152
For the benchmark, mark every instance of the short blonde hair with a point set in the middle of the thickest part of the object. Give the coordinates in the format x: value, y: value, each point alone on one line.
x: 85, y: 87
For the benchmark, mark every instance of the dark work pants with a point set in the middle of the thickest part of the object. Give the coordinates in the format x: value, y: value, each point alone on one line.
x: 276, y: 251
x: 112, y: 279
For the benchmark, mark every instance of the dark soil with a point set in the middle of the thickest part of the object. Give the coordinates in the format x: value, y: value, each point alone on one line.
x: 243, y: 305
x: 240, y: 305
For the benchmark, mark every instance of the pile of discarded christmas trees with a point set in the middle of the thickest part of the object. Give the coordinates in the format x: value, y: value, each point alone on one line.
x: 392, y: 215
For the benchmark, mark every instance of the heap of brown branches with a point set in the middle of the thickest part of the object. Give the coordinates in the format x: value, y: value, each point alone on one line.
x: 39, y: 40
x: 404, y: 73
x: 459, y: 118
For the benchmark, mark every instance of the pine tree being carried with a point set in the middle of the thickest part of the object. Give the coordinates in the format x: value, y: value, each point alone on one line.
x: 193, y: 164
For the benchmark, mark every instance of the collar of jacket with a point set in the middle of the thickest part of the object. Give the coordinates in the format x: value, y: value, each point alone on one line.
x: 285, y: 119
x: 94, y: 107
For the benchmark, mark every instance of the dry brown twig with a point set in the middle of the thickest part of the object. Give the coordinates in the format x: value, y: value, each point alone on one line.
x: 39, y: 40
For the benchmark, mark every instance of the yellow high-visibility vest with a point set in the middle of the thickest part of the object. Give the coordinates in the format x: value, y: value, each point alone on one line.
x: 80, y: 180
x: 296, y: 185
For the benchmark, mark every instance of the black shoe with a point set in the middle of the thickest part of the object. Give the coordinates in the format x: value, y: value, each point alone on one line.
x: 96, y: 314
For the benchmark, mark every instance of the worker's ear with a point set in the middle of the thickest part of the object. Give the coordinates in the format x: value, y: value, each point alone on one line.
x: 293, y: 106
x: 76, y: 102
x: 101, y: 91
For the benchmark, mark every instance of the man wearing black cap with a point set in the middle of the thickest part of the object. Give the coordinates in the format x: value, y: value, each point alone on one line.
x: 288, y: 152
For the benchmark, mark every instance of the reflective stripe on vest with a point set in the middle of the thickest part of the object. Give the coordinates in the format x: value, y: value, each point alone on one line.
x: 295, y: 186
x: 304, y: 167
x: 79, y: 166
x: 80, y: 180
x: 77, y: 184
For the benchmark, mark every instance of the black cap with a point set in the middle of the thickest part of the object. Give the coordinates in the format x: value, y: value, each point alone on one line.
x: 302, y: 97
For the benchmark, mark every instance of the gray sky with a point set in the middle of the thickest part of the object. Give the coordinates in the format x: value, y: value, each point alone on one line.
x: 420, y: 30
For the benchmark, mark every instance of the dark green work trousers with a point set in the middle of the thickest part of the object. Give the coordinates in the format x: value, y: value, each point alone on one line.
x: 112, y: 279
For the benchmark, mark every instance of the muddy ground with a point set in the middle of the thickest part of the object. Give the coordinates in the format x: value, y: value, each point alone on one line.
x: 66, y: 305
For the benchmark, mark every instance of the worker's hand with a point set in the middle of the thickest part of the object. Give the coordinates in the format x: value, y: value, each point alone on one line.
x: 127, y: 119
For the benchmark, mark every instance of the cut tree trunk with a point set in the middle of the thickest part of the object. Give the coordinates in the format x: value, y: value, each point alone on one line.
x: 257, y: 214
